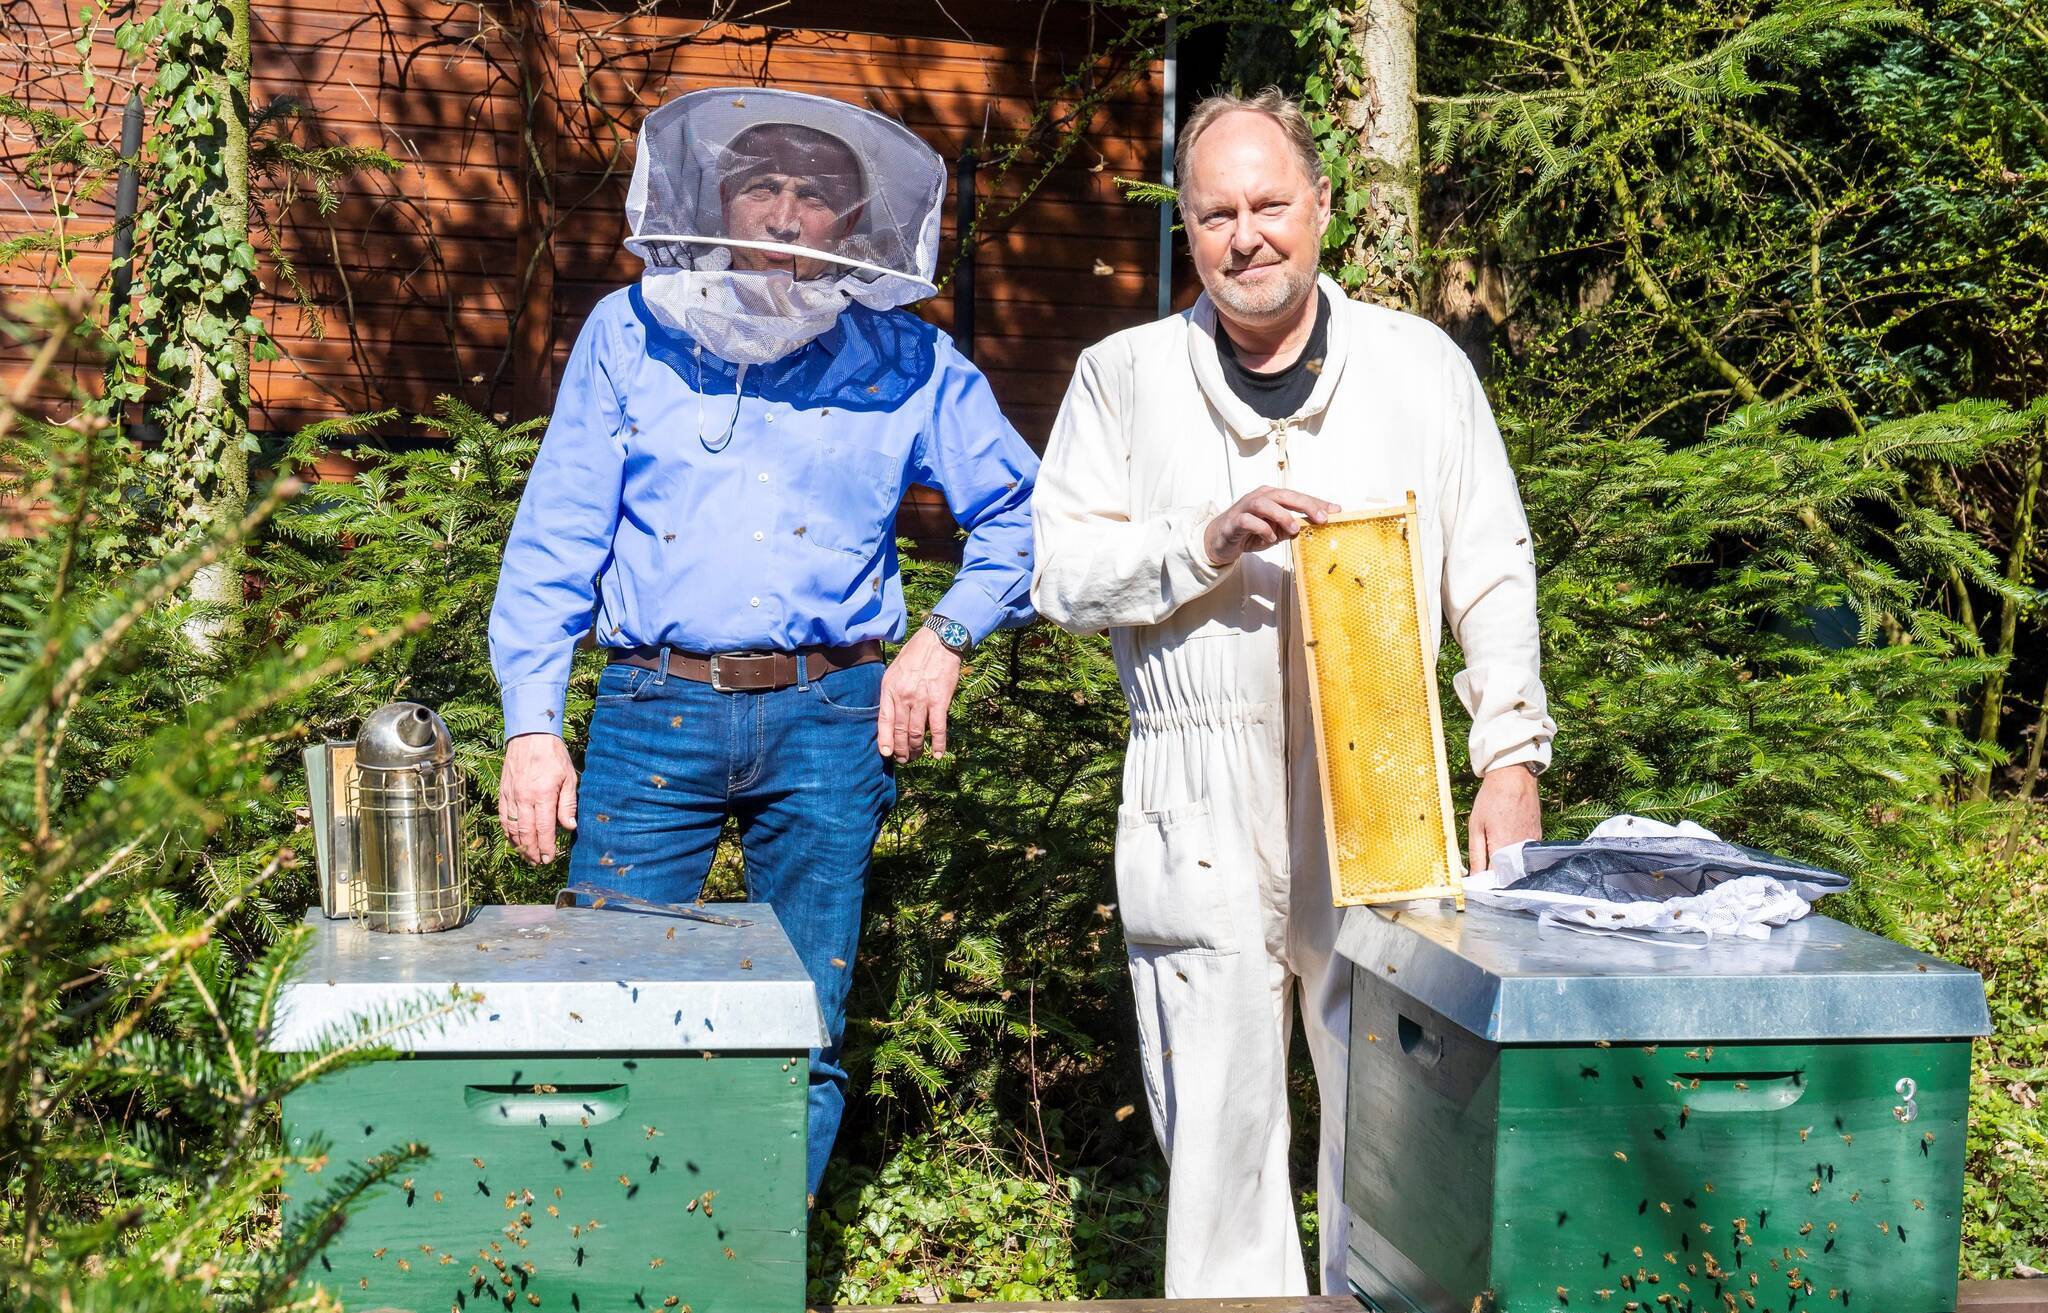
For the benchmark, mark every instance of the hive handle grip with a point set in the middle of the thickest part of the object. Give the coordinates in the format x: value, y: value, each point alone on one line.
x: 553, y: 1106
x: 1738, y: 1091
x: 1418, y: 1043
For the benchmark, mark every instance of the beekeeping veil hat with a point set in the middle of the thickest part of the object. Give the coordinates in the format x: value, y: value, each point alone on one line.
x: 763, y: 214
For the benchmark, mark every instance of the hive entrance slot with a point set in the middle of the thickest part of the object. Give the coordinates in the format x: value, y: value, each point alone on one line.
x: 1418, y: 1043
x: 541, y: 1104
x: 1739, y: 1091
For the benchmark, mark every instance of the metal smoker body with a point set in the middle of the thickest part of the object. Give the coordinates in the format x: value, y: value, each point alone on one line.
x: 387, y: 819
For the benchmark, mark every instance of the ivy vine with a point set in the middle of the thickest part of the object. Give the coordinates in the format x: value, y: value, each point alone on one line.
x: 1335, y: 75
x: 214, y: 175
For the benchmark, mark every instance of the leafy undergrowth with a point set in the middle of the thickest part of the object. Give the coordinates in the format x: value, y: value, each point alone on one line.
x: 1989, y: 918
x: 972, y: 1210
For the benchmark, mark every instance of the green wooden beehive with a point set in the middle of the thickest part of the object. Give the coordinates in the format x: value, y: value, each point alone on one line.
x: 617, y: 1121
x: 1541, y: 1119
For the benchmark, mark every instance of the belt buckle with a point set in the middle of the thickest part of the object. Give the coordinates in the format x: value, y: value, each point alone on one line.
x: 718, y: 684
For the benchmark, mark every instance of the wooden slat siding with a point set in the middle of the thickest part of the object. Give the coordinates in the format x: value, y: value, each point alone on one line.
x: 428, y: 85
x: 487, y: 218
x: 591, y: 255
x: 1001, y: 24
x: 351, y: 63
x: 540, y: 200
x: 431, y: 256
x: 897, y: 76
x: 1013, y: 334
x: 39, y: 67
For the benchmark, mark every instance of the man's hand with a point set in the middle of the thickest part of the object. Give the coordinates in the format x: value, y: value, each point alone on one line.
x: 537, y: 791
x: 1259, y: 519
x: 917, y: 691
x: 1505, y: 812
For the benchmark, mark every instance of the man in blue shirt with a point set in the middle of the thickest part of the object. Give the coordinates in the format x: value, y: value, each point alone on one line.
x: 716, y: 499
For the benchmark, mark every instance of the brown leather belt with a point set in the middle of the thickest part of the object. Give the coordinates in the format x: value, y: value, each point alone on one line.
x: 752, y: 672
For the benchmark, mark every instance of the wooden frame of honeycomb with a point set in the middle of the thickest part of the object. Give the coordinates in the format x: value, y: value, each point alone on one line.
x: 1373, y: 697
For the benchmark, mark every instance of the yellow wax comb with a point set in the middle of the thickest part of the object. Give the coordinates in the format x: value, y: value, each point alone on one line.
x: 1372, y: 690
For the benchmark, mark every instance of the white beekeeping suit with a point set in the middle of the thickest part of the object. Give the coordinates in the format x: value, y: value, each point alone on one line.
x: 1222, y: 876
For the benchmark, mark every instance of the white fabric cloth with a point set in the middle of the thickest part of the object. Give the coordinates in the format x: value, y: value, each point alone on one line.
x: 743, y: 318
x: 1222, y: 874
x: 1748, y: 906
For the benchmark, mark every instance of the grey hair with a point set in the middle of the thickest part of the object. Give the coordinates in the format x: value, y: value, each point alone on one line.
x: 1275, y: 104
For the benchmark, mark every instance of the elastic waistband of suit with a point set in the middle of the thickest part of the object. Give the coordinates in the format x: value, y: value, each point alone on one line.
x: 1212, y: 715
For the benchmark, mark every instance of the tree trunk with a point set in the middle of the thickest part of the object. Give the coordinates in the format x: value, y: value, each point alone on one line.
x: 1386, y: 153
x: 2017, y: 557
x: 219, y: 384
x: 530, y: 354
x: 2024, y: 806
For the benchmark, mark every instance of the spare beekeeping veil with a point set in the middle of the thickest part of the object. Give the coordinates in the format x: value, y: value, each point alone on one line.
x: 763, y: 214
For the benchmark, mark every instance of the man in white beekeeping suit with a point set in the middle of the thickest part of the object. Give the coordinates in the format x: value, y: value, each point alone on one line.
x: 1187, y: 454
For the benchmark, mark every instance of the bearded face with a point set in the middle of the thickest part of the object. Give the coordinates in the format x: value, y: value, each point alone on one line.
x: 1255, y: 219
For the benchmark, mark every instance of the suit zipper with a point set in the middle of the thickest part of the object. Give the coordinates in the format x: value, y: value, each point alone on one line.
x: 1287, y: 594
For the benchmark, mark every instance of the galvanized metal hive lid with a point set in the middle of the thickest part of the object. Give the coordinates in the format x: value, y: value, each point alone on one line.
x: 561, y: 980
x: 1506, y: 978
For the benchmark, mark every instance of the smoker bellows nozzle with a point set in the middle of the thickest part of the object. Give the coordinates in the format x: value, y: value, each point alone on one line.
x: 1372, y: 690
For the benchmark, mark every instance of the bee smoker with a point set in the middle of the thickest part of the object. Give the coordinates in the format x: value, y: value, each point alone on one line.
x: 387, y: 823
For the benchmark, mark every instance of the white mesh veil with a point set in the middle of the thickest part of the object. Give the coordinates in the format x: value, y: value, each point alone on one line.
x: 761, y: 214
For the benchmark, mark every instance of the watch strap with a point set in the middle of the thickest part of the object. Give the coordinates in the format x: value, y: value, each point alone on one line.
x: 938, y: 623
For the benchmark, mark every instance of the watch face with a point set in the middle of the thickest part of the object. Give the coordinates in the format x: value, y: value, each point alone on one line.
x: 954, y: 634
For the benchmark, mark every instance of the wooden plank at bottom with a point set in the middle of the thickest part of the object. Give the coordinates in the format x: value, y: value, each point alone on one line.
x: 2003, y: 1296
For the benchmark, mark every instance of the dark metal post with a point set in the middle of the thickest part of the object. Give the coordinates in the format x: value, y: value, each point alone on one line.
x: 123, y: 282
x: 963, y: 268
x: 1169, y: 129
x: 124, y: 210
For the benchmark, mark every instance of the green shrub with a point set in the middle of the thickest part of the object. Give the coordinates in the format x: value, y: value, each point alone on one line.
x: 970, y: 1210
x: 1988, y: 917
x: 139, y: 841
x: 1738, y: 630
x: 419, y: 530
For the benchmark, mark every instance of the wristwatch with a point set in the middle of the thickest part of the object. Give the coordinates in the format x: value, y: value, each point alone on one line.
x: 959, y: 640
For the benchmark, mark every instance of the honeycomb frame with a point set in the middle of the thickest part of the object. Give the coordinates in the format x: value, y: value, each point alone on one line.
x: 1375, y: 854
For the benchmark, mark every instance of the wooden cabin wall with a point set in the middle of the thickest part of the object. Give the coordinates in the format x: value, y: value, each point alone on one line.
x: 468, y: 270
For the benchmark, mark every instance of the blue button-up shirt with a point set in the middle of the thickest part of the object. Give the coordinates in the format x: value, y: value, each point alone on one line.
x: 782, y: 539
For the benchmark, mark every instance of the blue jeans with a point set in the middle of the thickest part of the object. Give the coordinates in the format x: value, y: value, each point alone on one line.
x: 670, y: 759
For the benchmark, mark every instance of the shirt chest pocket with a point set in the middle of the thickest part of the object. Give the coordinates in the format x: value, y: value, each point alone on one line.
x: 846, y: 497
